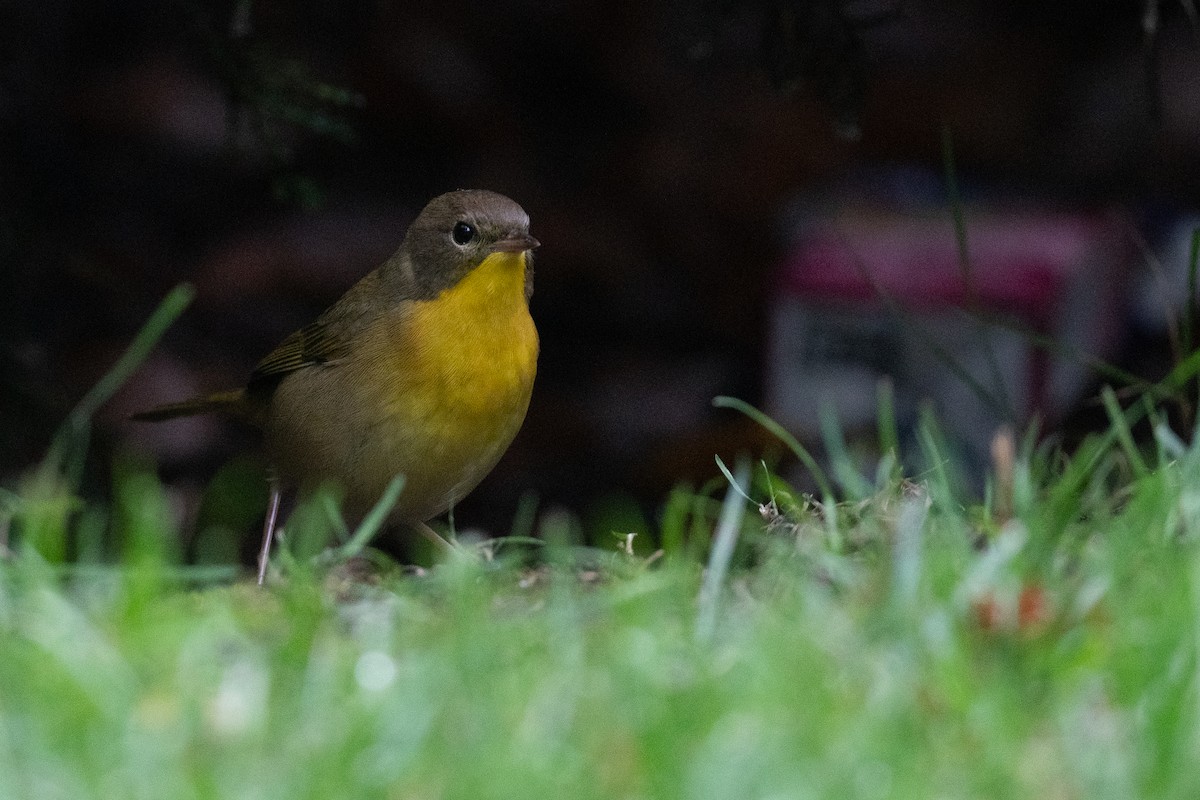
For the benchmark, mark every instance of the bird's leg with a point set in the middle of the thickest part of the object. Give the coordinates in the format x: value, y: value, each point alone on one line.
x: 269, y: 529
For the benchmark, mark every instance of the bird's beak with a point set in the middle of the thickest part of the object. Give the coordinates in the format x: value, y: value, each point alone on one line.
x: 517, y: 244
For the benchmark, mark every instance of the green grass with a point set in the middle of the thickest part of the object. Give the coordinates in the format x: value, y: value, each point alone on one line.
x: 845, y: 654
x: 892, y: 638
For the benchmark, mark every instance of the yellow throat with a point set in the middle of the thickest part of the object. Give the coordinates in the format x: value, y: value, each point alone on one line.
x: 476, y: 340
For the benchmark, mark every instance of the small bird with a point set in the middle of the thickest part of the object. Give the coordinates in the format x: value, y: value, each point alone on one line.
x: 424, y: 368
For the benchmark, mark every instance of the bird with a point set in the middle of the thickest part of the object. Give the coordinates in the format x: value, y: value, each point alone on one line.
x: 423, y: 369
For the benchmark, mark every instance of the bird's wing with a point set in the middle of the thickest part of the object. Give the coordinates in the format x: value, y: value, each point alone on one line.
x: 325, y: 341
x: 310, y: 346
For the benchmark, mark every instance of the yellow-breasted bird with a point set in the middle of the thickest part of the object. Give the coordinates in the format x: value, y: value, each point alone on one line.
x: 423, y: 368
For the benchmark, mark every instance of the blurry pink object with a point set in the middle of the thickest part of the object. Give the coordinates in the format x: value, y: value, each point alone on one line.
x: 866, y: 295
x: 1019, y: 263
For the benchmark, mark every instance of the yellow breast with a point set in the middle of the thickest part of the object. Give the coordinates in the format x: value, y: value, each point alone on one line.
x: 457, y: 382
x: 473, y: 348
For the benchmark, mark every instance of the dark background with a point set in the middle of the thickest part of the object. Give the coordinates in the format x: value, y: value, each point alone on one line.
x: 271, y: 153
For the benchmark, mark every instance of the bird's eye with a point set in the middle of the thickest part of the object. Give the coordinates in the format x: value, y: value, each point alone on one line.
x: 463, y: 233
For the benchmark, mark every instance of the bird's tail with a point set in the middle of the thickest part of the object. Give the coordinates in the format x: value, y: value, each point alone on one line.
x: 231, y: 402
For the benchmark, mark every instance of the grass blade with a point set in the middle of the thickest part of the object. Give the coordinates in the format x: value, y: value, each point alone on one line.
x: 728, y: 525
x: 373, y: 522
x: 907, y: 549
x: 1188, y: 334
x: 852, y: 482
x: 784, y: 436
x: 889, y: 431
x: 71, y: 440
x: 968, y: 275
x: 733, y: 482
x: 1120, y: 427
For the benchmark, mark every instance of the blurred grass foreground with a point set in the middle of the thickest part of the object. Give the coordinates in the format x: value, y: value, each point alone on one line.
x: 891, y: 638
